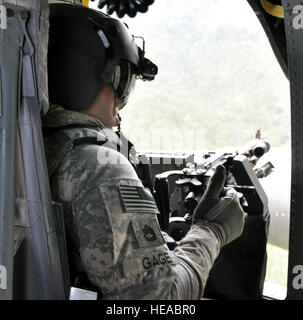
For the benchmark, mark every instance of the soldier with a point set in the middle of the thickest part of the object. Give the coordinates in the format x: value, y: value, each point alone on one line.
x: 112, y: 231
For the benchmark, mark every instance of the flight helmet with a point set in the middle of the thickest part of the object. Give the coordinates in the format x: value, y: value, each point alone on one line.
x: 87, y: 50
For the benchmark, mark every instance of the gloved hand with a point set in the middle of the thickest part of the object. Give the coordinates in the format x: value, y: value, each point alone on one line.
x: 224, y: 215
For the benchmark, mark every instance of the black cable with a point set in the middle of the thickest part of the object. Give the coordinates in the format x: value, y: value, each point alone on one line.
x: 123, y: 7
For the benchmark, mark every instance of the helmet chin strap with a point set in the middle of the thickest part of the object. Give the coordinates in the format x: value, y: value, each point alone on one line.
x: 119, y: 125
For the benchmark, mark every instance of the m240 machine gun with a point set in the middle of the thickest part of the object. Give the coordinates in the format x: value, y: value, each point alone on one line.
x: 178, y: 192
x: 239, y: 271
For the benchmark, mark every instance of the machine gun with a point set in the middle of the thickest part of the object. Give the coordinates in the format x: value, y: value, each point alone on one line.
x: 178, y: 192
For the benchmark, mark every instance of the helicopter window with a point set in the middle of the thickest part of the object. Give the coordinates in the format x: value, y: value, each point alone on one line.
x: 218, y: 83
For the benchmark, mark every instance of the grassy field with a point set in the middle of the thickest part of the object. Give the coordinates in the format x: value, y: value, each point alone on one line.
x: 276, y: 272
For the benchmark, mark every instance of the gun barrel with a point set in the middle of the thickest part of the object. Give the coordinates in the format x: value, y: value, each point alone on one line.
x: 256, y: 148
x: 260, y: 148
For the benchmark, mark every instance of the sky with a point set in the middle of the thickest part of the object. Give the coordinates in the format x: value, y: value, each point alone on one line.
x: 189, y: 39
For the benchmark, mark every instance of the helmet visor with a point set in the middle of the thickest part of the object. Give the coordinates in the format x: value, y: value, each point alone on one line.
x: 123, y: 82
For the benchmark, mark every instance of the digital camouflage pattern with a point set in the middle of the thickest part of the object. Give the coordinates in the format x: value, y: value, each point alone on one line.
x: 111, y: 221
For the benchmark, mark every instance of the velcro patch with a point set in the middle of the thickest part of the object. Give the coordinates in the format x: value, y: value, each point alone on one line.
x: 147, y: 231
x: 137, y: 200
x: 156, y: 260
x: 148, y: 261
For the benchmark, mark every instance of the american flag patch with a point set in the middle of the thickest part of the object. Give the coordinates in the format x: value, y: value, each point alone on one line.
x: 137, y: 199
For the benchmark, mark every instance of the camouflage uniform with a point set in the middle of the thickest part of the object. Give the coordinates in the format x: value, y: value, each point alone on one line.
x: 118, y: 241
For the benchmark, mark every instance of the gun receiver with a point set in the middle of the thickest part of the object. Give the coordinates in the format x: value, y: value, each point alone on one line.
x: 178, y: 192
